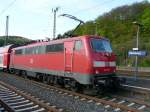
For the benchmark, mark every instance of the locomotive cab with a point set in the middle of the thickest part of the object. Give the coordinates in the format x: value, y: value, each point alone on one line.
x: 103, y: 62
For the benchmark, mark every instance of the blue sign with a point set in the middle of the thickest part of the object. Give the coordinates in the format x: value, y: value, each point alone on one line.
x: 137, y: 53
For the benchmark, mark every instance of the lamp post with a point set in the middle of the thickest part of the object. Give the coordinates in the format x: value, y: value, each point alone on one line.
x: 96, y: 33
x: 137, y: 47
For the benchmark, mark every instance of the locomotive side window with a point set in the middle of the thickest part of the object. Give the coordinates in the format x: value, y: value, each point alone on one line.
x: 19, y: 51
x: 41, y: 49
x: 35, y: 50
x: 78, y: 45
x: 28, y: 50
x: 55, y: 48
x: 23, y: 51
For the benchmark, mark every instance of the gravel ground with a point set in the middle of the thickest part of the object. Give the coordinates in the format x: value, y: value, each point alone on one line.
x: 69, y: 103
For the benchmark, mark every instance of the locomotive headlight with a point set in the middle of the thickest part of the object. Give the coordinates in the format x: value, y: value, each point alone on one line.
x: 114, y: 70
x: 98, y: 64
x: 96, y: 72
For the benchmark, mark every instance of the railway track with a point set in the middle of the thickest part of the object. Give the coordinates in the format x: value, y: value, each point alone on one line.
x: 14, y: 100
x: 135, y: 90
x: 140, y: 86
x: 140, y: 106
x: 112, y: 103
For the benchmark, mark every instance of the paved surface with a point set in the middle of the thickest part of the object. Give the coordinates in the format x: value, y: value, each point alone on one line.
x: 141, y: 69
x: 140, y: 82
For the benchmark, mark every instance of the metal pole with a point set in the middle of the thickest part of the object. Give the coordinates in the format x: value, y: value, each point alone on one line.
x: 136, y: 58
x: 54, y: 26
x: 96, y: 29
x: 137, y: 44
x: 6, y: 31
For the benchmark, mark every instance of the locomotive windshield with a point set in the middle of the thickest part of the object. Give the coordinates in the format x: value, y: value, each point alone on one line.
x: 101, y: 45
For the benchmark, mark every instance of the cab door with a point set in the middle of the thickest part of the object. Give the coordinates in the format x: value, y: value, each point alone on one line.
x: 68, y: 56
x: 79, y: 57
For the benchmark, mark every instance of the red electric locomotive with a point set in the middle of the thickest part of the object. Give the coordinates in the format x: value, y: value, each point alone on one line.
x: 78, y: 61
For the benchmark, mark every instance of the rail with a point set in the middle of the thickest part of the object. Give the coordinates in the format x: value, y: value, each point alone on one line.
x: 14, y: 100
x: 140, y: 69
x: 114, y: 103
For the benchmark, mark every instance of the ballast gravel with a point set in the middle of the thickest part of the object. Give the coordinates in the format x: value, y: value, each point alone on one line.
x: 65, y: 102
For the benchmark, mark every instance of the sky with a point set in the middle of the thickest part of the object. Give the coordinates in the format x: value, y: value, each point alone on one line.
x: 33, y: 19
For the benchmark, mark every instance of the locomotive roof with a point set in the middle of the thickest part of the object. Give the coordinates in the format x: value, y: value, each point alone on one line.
x: 59, y: 41
x: 6, y: 48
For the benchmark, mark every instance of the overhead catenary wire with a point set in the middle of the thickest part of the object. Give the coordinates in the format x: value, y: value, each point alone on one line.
x: 93, y: 7
x: 7, y: 7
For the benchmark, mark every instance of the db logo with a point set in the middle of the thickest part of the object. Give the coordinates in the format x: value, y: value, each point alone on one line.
x: 106, y: 69
x: 31, y: 61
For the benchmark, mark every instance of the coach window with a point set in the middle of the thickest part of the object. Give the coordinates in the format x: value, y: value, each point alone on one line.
x: 78, y: 45
x: 1, y: 59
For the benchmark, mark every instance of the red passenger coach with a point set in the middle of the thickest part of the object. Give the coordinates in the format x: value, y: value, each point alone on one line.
x: 85, y: 60
x: 5, y: 56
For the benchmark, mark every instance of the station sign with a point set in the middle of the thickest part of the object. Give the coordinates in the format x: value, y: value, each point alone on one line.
x: 137, y: 53
x: 135, y: 49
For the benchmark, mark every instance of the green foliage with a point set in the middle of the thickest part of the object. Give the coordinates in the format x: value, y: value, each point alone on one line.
x: 13, y: 40
x: 145, y: 62
x: 117, y: 25
x: 145, y: 19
